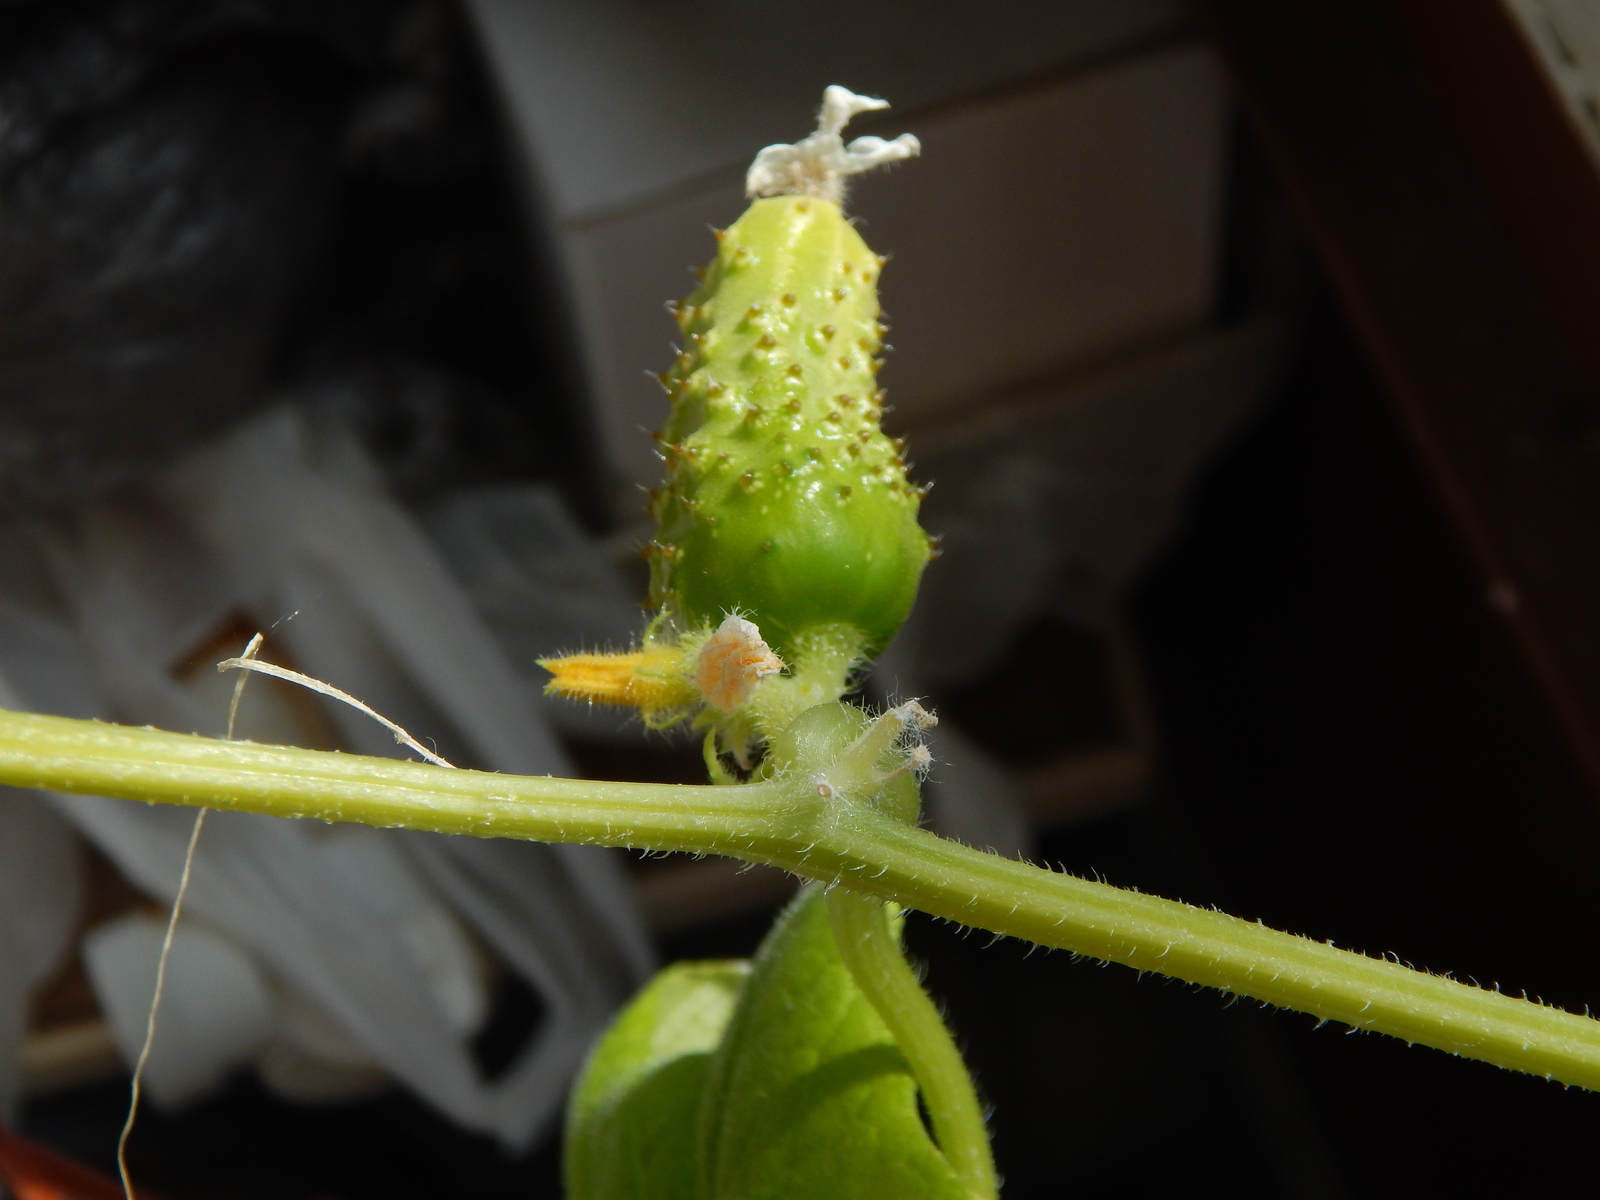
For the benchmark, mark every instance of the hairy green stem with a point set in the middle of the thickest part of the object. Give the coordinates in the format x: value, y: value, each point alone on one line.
x: 788, y: 823
x: 867, y: 943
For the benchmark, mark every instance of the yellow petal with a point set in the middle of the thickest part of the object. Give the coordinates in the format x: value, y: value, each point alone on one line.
x: 651, y: 679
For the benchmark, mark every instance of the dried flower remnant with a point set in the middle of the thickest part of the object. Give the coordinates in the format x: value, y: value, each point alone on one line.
x: 732, y: 662
x: 818, y: 165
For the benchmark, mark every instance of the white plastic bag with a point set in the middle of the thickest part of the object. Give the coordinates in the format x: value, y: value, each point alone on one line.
x: 358, y: 932
x: 217, y: 1008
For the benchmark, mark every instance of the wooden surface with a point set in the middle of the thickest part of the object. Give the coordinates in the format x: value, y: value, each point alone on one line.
x: 1453, y: 209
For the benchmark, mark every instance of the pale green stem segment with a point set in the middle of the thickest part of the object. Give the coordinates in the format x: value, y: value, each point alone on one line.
x: 867, y: 943
x: 788, y: 823
x: 823, y: 658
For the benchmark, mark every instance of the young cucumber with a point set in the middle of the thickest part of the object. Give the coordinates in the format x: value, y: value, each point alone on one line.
x: 784, y: 500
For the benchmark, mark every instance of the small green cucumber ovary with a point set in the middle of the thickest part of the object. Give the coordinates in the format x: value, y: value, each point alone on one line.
x: 784, y: 500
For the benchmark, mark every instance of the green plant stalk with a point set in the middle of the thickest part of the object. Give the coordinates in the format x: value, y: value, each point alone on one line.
x: 866, y: 942
x: 788, y: 823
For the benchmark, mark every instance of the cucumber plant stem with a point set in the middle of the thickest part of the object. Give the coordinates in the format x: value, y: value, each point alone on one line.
x: 867, y: 943
x: 787, y: 823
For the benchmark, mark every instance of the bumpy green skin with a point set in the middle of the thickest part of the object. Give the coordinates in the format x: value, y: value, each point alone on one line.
x: 784, y: 500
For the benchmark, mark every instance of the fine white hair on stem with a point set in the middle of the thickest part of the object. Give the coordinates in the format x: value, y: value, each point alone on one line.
x: 245, y: 663
x: 911, y: 713
x: 252, y: 648
x: 818, y: 165
x: 327, y: 689
x: 155, y: 1007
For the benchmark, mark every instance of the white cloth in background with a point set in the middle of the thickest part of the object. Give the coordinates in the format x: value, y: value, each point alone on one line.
x: 40, y: 891
x: 217, y: 999
x: 362, y: 934
x: 542, y: 585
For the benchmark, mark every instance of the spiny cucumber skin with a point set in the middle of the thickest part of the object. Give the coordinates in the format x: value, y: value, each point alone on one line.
x: 784, y: 499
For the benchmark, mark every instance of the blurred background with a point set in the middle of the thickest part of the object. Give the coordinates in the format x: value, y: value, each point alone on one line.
x: 1251, y: 349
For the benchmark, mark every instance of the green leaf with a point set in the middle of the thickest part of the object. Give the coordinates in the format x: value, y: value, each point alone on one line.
x: 808, y: 1096
x: 632, y: 1123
